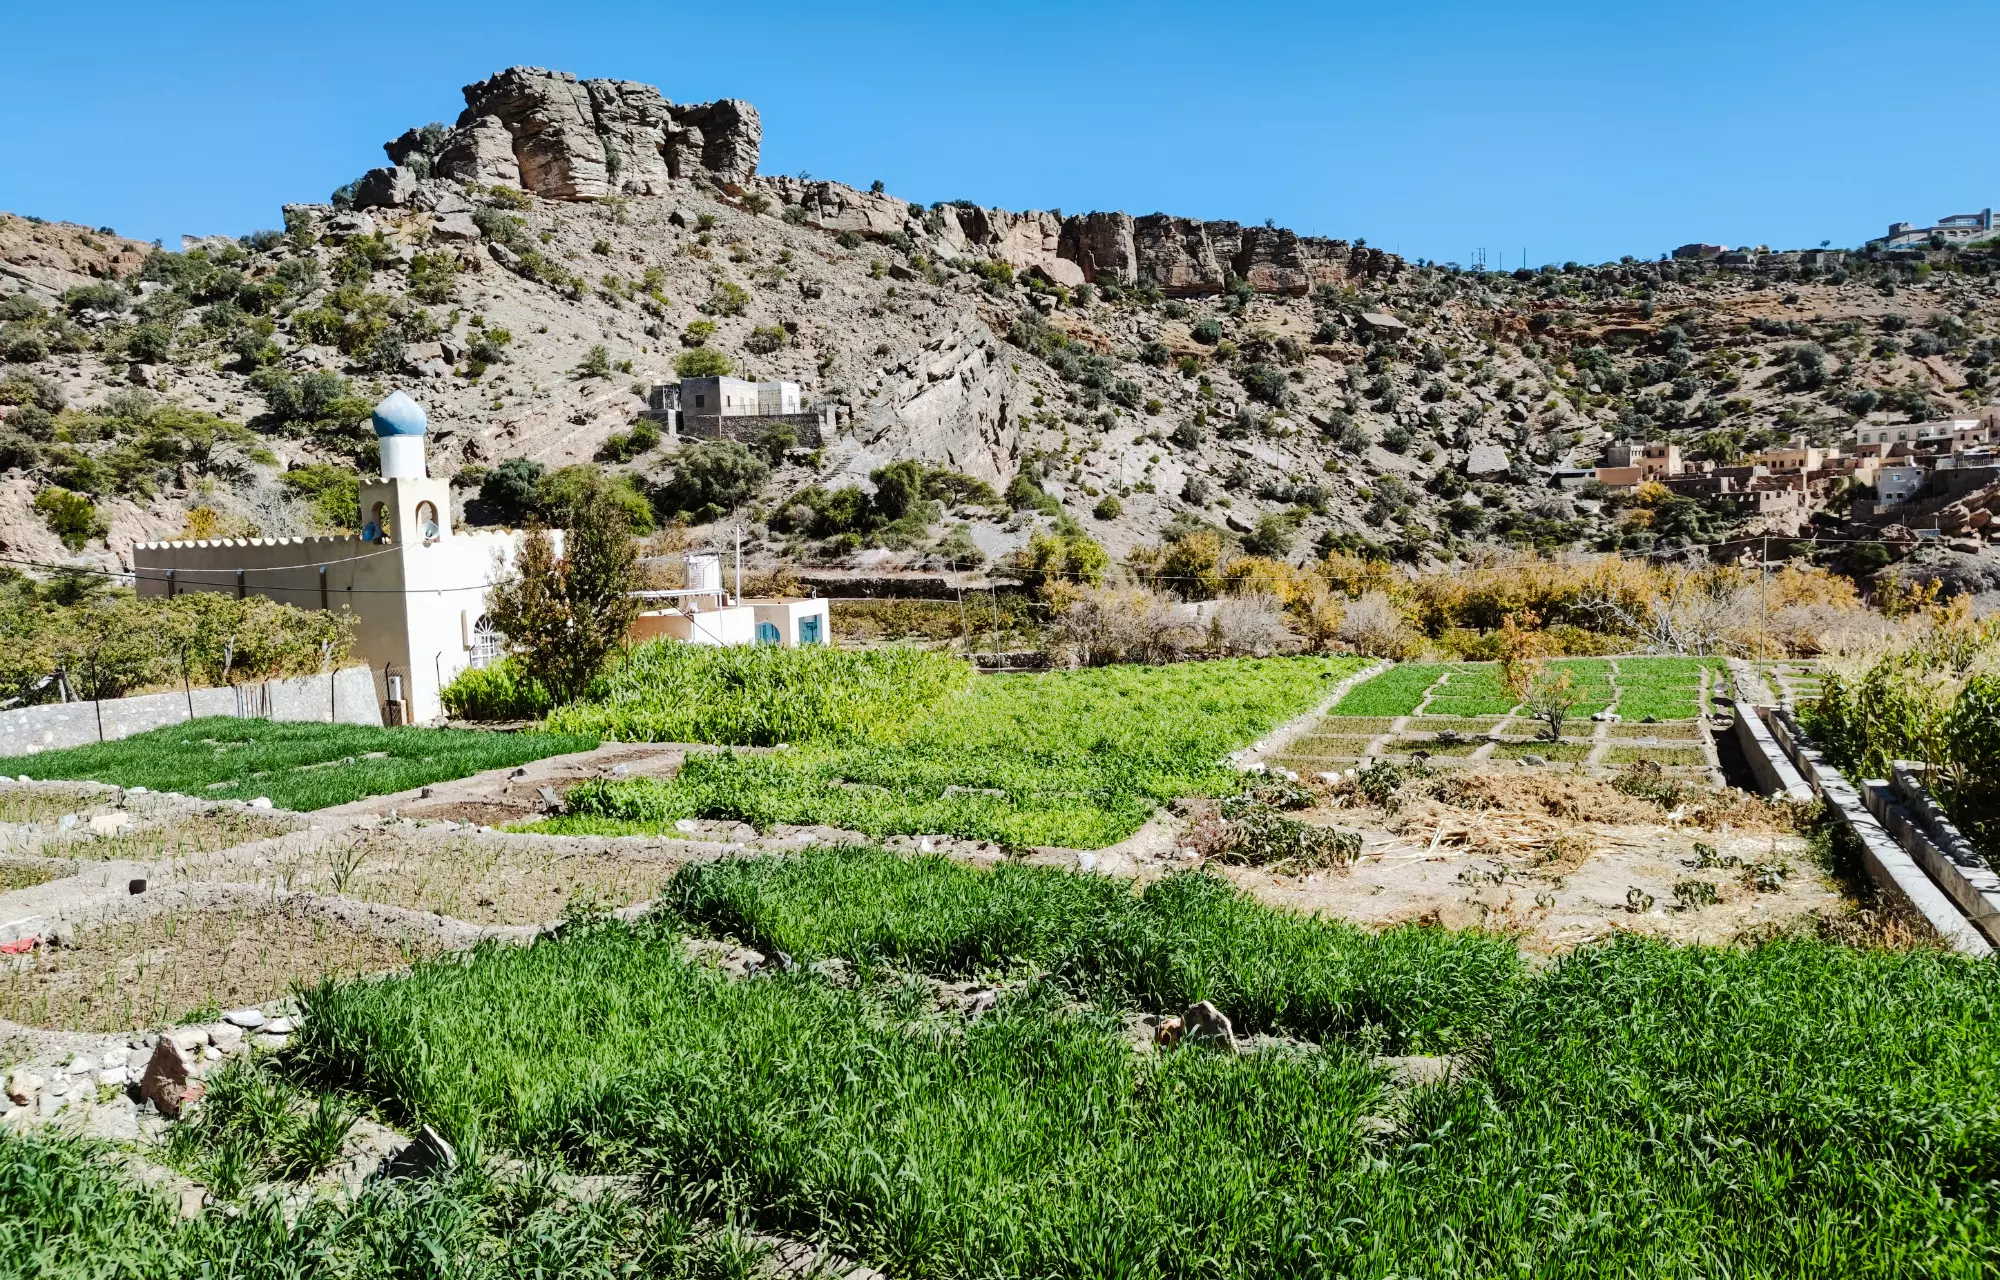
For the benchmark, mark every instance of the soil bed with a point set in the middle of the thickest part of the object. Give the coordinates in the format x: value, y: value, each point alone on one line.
x: 163, y: 968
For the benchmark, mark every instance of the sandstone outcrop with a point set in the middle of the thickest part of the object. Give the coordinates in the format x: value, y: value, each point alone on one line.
x: 567, y: 139
x: 834, y: 206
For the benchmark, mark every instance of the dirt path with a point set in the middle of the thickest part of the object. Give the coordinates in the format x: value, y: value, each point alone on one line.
x: 500, y: 796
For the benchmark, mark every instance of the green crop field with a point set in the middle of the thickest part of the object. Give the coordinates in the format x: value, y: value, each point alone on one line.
x: 761, y: 695
x: 1797, y: 1108
x: 298, y: 766
x: 1471, y: 689
x: 1074, y: 758
x: 1395, y: 692
x: 1663, y: 688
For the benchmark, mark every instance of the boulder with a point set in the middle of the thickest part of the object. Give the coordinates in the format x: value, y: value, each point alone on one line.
x: 390, y: 187
x: 171, y: 1079
x: 1487, y: 462
x: 720, y: 138
x: 345, y: 226
x: 23, y: 1085
x: 1203, y: 1023
x: 426, y: 1153
x: 480, y: 150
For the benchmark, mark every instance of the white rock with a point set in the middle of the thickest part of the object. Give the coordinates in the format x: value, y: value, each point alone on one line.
x: 261, y: 802
x: 279, y: 1027
x: 112, y: 1076
x: 248, y: 1019
x: 188, y: 1038
x: 109, y: 824
x: 23, y: 1085
x: 224, y: 1038
x: 116, y: 1057
x: 82, y: 1066
x: 268, y: 1042
x: 135, y: 791
x: 1086, y: 862
x: 685, y: 826
x: 24, y: 778
x: 211, y: 1054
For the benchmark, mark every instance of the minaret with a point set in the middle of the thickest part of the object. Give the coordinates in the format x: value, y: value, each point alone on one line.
x: 405, y: 507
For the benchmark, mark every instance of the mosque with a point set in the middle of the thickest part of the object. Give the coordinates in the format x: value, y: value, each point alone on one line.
x: 417, y: 588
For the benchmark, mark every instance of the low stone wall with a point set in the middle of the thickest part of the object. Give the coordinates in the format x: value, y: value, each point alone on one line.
x: 342, y: 697
x: 1774, y: 773
x: 1884, y: 860
x: 808, y: 427
x: 1905, y: 807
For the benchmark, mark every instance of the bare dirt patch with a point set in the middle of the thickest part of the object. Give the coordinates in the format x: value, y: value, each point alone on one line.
x: 1563, y: 858
x: 170, y: 838
x: 164, y: 967
x: 482, y: 879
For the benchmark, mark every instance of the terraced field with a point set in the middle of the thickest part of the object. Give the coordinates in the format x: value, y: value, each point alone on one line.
x: 965, y: 1072
x: 1454, y: 714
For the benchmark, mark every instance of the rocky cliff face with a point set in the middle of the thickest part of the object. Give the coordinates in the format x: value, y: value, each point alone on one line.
x: 561, y: 138
x: 567, y: 139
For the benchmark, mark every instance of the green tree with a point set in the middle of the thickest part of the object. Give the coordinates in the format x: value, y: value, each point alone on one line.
x: 712, y: 477
x: 567, y: 614
x: 70, y: 516
x: 702, y: 362
x: 596, y: 363
x: 510, y: 488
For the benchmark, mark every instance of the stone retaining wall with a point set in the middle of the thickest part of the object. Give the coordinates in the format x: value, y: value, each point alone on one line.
x: 1887, y: 864
x: 342, y: 697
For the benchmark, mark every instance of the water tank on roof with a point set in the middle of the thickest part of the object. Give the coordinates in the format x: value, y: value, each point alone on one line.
x: 704, y: 572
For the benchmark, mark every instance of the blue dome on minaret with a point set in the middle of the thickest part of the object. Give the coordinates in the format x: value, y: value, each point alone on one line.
x: 398, y: 415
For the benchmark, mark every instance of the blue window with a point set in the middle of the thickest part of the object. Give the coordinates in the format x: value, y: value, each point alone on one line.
x: 767, y: 633
x: 809, y: 630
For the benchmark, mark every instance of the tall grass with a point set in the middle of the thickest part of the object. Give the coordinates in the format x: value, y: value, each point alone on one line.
x: 1031, y: 1142
x: 1189, y: 937
x: 1799, y: 1109
x: 299, y: 766
x: 1075, y: 758
x: 759, y: 695
x: 68, y: 1213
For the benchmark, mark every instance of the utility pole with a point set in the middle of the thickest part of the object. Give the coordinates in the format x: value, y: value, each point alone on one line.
x: 1764, y: 592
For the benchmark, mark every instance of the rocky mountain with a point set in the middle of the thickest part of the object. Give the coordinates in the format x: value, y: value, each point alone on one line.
x: 529, y: 270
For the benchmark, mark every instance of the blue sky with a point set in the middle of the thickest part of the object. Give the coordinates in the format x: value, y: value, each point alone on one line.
x: 1565, y: 130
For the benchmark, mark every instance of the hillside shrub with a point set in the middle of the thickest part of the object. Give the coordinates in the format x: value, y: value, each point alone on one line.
x: 702, y: 362
x: 711, y: 478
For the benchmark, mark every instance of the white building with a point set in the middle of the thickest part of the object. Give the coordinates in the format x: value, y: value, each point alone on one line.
x: 1897, y: 485
x: 1957, y: 430
x: 415, y: 587
x: 704, y: 613
x: 736, y: 398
